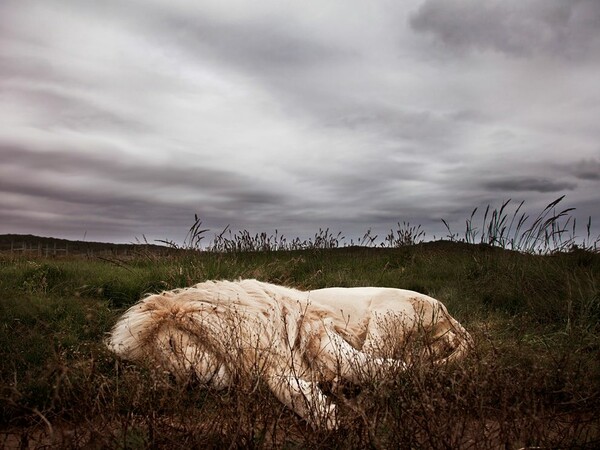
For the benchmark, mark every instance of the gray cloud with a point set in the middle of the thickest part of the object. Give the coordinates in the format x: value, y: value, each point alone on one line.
x: 127, y: 117
x: 550, y: 27
x: 119, y: 168
x: 94, y: 191
x: 256, y: 43
x: 517, y: 184
x: 66, y: 109
x: 587, y: 169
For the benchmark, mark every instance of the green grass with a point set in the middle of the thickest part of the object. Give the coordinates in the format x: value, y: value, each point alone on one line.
x: 533, y: 379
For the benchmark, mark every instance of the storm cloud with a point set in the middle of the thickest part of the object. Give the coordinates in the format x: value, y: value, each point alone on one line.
x: 123, y: 118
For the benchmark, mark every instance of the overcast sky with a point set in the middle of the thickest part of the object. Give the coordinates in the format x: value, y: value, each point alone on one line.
x: 123, y: 118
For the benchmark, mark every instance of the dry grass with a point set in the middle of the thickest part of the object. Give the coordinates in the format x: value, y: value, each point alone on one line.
x: 491, y: 400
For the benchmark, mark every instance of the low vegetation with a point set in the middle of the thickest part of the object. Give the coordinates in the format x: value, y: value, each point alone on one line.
x: 533, y: 379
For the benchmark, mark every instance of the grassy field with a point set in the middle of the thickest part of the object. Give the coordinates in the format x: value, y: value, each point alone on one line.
x: 532, y: 380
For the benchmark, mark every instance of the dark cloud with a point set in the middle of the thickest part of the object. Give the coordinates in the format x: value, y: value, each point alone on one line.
x: 120, y: 167
x: 78, y: 187
x: 535, y: 184
x: 587, y: 169
x: 423, y: 127
x: 569, y: 29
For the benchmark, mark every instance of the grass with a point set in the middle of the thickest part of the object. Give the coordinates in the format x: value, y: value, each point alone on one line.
x: 532, y: 380
x: 552, y: 230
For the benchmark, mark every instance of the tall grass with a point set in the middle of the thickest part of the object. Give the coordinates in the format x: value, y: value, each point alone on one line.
x: 243, y: 241
x: 405, y: 234
x: 552, y: 230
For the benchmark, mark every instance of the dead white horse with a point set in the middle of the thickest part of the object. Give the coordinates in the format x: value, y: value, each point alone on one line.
x: 221, y: 332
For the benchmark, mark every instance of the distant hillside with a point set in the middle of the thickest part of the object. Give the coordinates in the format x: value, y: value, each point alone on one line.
x: 48, y: 246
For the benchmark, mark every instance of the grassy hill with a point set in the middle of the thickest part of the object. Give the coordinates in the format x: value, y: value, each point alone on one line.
x: 28, y: 244
x: 532, y: 380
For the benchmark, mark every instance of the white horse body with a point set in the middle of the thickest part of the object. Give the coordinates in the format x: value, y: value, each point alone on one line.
x: 220, y: 332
